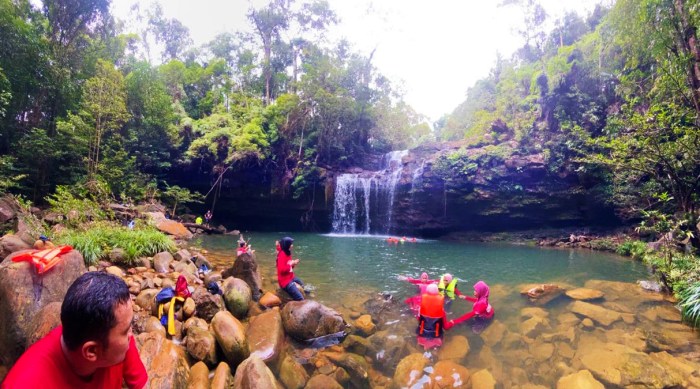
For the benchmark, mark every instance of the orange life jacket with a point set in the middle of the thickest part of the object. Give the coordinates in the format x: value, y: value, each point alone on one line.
x: 430, y: 316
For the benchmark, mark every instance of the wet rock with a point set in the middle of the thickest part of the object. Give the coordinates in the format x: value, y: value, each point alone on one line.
x: 246, y: 268
x: 321, y: 381
x: 147, y: 300
x: 383, y: 308
x: 188, y: 307
x: 529, y: 312
x: 162, y: 261
x: 114, y: 270
x: 207, y: 304
x: 541, y: 351
x: 182, y: 255
x: 387, y: 348
x: 199, y: 376
x: 356, y: 366
x: 585, y: 294
x: 596, y: 313
x: 357, y: 344
x: 154, y: 325
x: 266, y: 336
x: 270, y: 300
x: 212, y: 276
x: 187, y: 269
x: 581, y: 380
x: 687, y: 370
x: 410, y: 370
x: 534, y: 326
x: 308, y: 319
x: 222, y: 377
x: 200, y: 260
x: 230, y: 335
x: 166, y: 363
x: 483, y: 379
x: 12, y: 243
x: 493, y: 334
x: 455, y: 349
x: 365, y: 325
x: 254, y: 374
x: 194, y: 322
x: 669, y: 337
x: 23, y: 294
x: 201, y: 345
x: 292, y: 374
x: 542, y: 294
x: 237, y: 296
x: 651, y: 286
x: 663, y: 312
x: 48, y: 318
x: 448, y: 374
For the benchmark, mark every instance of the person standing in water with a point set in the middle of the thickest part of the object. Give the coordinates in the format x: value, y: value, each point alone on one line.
x: 422, y: 283
x: 285, y: 269
x: 482, y: 311
x: 447, y: 285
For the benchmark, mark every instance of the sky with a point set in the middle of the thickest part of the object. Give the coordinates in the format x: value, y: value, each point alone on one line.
x: 432, y: 51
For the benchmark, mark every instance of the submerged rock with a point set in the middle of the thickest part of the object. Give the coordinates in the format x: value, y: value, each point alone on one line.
x: 455, y: 349
x: 483, y: 379
x: 596, y: 313
x: 543, y: 293
x: 448, y: 374
x: 585, y: 294
x: 580, y: 380
x: 410, y: 370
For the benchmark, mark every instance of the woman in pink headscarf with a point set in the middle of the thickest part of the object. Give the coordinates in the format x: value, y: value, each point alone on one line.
x: 482, y: 311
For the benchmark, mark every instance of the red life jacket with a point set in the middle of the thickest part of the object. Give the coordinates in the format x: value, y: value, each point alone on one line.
x: 431, y: 322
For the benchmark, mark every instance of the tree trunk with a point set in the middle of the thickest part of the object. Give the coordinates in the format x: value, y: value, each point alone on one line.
x: 689, y: 45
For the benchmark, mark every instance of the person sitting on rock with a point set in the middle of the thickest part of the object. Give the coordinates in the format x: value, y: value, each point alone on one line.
x: 93, y: 348
x: 285, y: 269
x: 43, y: 243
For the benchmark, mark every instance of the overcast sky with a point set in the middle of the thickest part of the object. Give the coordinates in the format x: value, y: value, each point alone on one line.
x: 432, y: 50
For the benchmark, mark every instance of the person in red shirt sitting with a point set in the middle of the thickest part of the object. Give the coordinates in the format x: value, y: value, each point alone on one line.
x: 285, y: 269
x: 93, y: 348
x: 482, y: 311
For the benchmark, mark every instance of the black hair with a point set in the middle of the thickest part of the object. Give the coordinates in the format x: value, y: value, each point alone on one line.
x: 241, y: 244
x: 286, y: 245
x: 87, y: 312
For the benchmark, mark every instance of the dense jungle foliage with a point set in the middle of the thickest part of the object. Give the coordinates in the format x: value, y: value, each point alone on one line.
x: 613, y: 96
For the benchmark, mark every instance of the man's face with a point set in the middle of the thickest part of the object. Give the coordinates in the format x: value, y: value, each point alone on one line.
x: 118, y: 339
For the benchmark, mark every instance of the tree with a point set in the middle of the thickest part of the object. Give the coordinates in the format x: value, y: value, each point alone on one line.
x: 170, y: 32
x: 177, y: 195
x: 268, y: 22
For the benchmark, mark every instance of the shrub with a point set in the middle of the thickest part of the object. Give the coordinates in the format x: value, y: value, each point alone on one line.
x: 74, y: 209
x: 689, y: 301
x: 633, y: 248
x: 97, y: 241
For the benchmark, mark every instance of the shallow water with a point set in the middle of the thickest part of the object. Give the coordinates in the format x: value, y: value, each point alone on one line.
x: 523, y: 345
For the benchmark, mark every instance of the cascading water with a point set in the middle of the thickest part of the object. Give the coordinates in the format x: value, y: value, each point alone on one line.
x: 355, y: 208
x: 417, y: 177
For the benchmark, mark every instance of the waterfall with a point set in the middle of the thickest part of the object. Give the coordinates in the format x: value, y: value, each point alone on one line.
x: 417, y: 177
x: 361, y: 197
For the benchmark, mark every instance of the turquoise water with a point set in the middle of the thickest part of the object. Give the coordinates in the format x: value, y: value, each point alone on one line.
x: 349, y: 270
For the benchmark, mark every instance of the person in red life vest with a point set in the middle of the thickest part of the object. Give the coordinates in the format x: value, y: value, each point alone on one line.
x: 432, y: 319
x: 285, y: 269
x: 422, y: 283
x: 93, y: 348
x: 482, y: 311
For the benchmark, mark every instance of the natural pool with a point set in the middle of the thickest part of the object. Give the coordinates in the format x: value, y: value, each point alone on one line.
x: 629, y: 337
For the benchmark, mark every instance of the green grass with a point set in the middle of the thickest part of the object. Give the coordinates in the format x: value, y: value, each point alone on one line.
x: 633, y: 248
x: 96, y: 242
x: 689, y: 301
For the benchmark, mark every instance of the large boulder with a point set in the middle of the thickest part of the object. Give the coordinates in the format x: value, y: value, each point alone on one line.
x: 542, y: 294
x: 8, y: 209
x: 246, y: 268
x: 48, y: 318
x: 254, y: 374
x: 201, y: 345
x: 162, y: 261
x: 410, y: 370
x: 207, y: 304
x: 230, y: 335
x: 23, y: 293
x: 147, y: 300
x: 199, y: 376
x: 305, y: 320
x: 11, y: 243
x: 237, y: 296
x: 266, y: 335
x: 165, y: 362
x: 170, y: 227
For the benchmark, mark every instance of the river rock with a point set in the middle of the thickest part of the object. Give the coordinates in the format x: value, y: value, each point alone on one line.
x: 222, y: 377
x: 48, y: 318
x: 493, y: 334
x: 309, y: 319
x: 266, y: 335
x: 199, y: 376
x: 529, y: 312
x: 321, y: 381
x: 581, y: 380
x: 182, y: 255
x: 541, y: 351
x: 542, y: 294
x: 165, y: 362
x: 153, y: 325
x: 292, y: 373
x: 11, y: 243
x: 147, y: 300
x: 585, y: 294
x: 230, y: 335
x: 621, y: 366
x: 455, y: 349
x: 245, y: 267
x: 448, y: 374
x: 663, y: 312
x: 23, y: 293
x: 186, y: 268
x: 207, y: 304
x: 237, y: 296
x: 171, y: 227
x: 254, y: 374
x: 388, y: 348
x: 356, y: 366
x: 270, y: 300
x: 162, y: 261
x: 483, y: 379
x: 8, y: 208
x: 533, y: 326
x: 194, y: 322
x: 200, y: 260
x: 596, y: 313
x: 365, y: 325
x: 410, y: 370
x: 115, y: 271
x: 188, y: 307
x: 682, y: 367
x: 201, y: 345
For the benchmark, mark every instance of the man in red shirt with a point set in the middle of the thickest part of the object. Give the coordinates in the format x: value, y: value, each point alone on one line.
x: 94, y: 347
